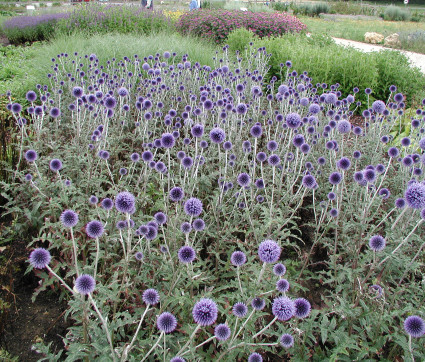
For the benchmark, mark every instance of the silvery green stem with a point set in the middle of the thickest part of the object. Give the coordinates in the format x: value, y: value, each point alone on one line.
x: 153, y: 347
x: 75, y: 252
x: 189, y: 340
x: 242, y: 326
x: 130, y: 346
x: 410, y: 348
x: 97, y: 257
x: 105, y: 327
x: 414, y: 258
x: 199, y: 345
x: 398, y: 218
x: 261, y: 273
x: 239, y: 279
x: 402, y: 243
x: 35, y: 186
x: 266, y: 327
x: 60, y: 279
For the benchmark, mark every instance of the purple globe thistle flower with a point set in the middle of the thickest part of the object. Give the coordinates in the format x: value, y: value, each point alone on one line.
x: 400, y: 203
x: 238, y: 258
x: 241, y: 108
x: 166, y: 322
x: 293, y: 120
x: 422, y: 143
x: 380, y: 168
x: 186, y: 254
x: 309, y: 182
x: 369, y: 175
x: 55, y: 165
x: 405, y: 141
x: 302, y: 308
x: 222, y: 332
x: 110, y: 102
x: 150, y: 296
x: 335, y: 178
x: 160, y: 218
x: 414, y: 326
x: 40, y: 258
x: 122, y: 92
x: 272, y: 145
x: 261, y: 157
x: 286, y: 341
x: 104, y: 155
x: 198, y: 224
x: 377, y: 243
x: 240, y: 309
x: 314, y: 108
x: 124, y: 202
x: 147, y: 156
x: 407, y: 161
x: 167, y: 140
x: 344, y: 126
x: 177, y: 359
x: 378, y: 107
x: 283, y: 308
x: 273, y: 160
x: 94, y: 229
x: 321, y: 161
x: 243, y: 179
x: 279, y: 269
x: 77, y: 92
x: 123, y: 171
x: 393, y: 152
x: 176, y: 194
x: 139, y: 256
x: 187, y: 162
x: 107, y: 203
x: 31, y: 96
x: 282, y: 285
x: 333, y: 212
x: 256, y: 131
x: 197, y: 130
x: 85, y: 284
x: 93, y: 200
x: 55, y: 112
x: 227, y: 145
x: 28, y: 177
x: 258, y: 303
x: 332, y: 195
x: 259, y: 183
x: 31, y: 155
x: 344, y: 163
x: 298, y: 140
x: 398, y: 97
x: 255, y: 357
x: 151, y: 233
x: 205, y: 312
x: 69, y: 218
x: 384, y: 193
x: 269, y: 251
x: 185, y: 227
x: 193, y: 207
x: 305, y: 148
x: 415, y: 195
x: 217, y: 135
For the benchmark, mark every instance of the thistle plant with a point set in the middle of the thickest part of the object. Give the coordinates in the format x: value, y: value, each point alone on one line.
x: 174, y: 197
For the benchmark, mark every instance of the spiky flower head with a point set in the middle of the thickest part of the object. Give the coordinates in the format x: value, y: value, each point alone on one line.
x: 286, y: 340
x: 283, y: 308
x: 193, y: 207
x: 415, y: 195
x: 166, y: 322
x: 69, y: 218
x: 205, y: 312
x: 124, y: 202
x: 302, y: 308
x: 414, y: 326
x: 85, y: 284
x: 150, y: 296
x: 40, y: 258
x: 222, y: 332
x: 269, y: 251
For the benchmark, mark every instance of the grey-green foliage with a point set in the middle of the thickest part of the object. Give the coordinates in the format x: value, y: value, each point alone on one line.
x: 395, y: 13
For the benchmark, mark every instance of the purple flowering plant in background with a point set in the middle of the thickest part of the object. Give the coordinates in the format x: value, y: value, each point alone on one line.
x: 226, y: 190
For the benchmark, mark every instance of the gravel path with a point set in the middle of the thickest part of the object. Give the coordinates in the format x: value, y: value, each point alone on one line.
x: 416, y: 59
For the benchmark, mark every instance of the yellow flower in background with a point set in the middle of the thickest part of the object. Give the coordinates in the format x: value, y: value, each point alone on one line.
x: 174, y: 15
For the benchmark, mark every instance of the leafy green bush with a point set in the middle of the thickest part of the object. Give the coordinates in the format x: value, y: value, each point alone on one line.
x: 213, y: 4
x: 352, y: 8
x: 280, y: 6
x: 310, y: 9
x: 395, y: 13
x: 239, y: 39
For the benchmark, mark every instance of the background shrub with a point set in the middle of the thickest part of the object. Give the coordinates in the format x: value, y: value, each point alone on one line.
x: 394, y: 13
x: 310, y: 9
x: 239, y: 39
x: 217, y: 24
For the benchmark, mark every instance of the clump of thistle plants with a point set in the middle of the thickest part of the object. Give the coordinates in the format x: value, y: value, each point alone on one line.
x: 195, y: 213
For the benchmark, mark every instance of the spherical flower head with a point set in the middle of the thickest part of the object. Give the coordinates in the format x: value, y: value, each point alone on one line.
x: 282, y: 285
x: 31, y: 96
x: 176, y: 194
x: 286, y: 340
x: 256, y: 131
x: 243, y: 179
x: 77, y: 92
x: 28, y: 177
x: 107, y: 204
x: 422, y: 143
x: 378, y: 107
x: 205, y: 312
x: 273, y: 160
x: 309, y: 182
x: 185, y: 227
x: 393, y: 152
x: 94, y: 229
x: 69, y: 218
x: 139, y: 256
x: 258, y: 303
x: 415, y: 195
x: 222, y: 332
x: 177, y: 359
x: 217, y: 135
x: 369, y: 175
x: 55, y: 112
x: 186, y: 254
x: 344, y: 126
x: 240, y: 310
x: 124, y: 202
x: 293, y: 120
x: 197, y: 130
x: 279, y: 269
x: 302, y: 308
x: 283, y: 308
x: 269, y: 251
x: 85, y: 284
x: 122, y: 92
x: 40, y: 258
x: 238, y: 258
x: 167, y: 140
x: 160, y: 218
x: 198, y: 224
x: 147, y: 156
x: 414, y: 326
x: 334, y: 212
x: 400, y: 203
x: 110, y: 102
x: 335, y: 178
x: 93, y: 200
x: 344, y: 163
x: 151, y: 233
x: 377, y: 243
x: 255, y: 357
x: 166, y: 322
x: 193, y: 207
x: 31, y: 155
x: 150, y: 296
x: 55, y: 165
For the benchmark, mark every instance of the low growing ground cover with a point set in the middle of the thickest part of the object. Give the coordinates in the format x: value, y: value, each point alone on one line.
x: 192, y: 212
